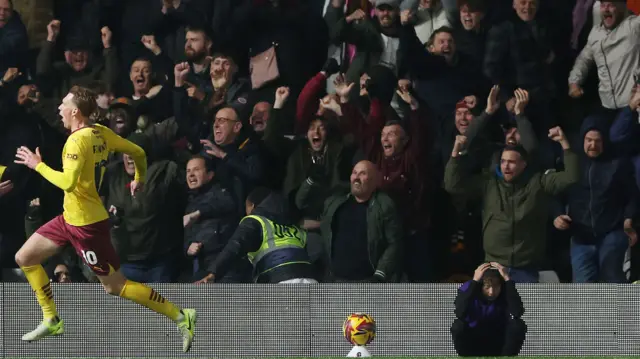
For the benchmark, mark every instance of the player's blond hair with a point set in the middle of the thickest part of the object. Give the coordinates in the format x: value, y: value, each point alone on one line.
x: 85, y: 101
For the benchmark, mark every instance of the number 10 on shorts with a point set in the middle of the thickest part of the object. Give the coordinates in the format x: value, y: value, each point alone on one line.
x: 90, y: 257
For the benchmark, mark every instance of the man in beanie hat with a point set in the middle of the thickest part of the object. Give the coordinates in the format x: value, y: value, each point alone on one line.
x: 78, y: 68
x: 613, y: 44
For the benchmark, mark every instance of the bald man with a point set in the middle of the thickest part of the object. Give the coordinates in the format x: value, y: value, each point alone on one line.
x: 362, y: 231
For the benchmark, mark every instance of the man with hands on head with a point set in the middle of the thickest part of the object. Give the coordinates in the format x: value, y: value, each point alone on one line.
x: 488, y: 312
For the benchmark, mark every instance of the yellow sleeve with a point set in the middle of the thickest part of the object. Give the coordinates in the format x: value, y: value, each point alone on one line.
x: 71, y: 167
x: 2, y: 169
x: 118, y: 144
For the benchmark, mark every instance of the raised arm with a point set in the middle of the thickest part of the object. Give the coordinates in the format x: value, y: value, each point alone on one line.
x: 456, y: 181
x: 480, y: 122
x: 118, y: 144
x: 556, y: 182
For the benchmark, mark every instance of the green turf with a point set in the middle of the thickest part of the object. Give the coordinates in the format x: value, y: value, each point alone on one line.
x: 416, y: 357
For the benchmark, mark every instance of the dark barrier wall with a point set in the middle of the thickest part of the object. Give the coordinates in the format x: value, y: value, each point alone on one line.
x: 305, y: 320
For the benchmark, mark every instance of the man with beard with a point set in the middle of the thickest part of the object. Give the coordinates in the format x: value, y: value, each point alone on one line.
x: 362, y: 231
x: 197, y: 48
x: 599, y: 211
x: 78, y: 69
x: 613, y: 45
x: 442, y: 75
x: 516, y: 200
x: 377, y: 39
x: 488, y: 312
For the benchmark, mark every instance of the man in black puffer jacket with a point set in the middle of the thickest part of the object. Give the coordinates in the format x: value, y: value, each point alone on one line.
x: 601, y: 208
x: 209, y: 222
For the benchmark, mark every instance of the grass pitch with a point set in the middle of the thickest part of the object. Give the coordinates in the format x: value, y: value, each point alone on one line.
x: 416, y: 357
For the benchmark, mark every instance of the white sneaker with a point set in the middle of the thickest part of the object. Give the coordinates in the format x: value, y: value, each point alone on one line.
x: 187, y: 327
x: 45, y: 328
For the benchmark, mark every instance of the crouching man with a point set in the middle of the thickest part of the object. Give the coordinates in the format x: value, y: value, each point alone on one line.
x: 270, y: 239
x: 488, y: 311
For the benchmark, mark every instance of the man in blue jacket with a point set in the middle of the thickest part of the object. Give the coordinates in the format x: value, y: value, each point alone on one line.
x: 599, y: 209
x: 488, y: 310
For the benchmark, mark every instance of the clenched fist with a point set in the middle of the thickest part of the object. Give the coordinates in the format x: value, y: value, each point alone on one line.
x: 53, y: 30
x: 459, y: 145
x: 149, y: 41
x: 562, y: 222
x: 556, y: 134
x: 106, y: 35
x: 180, y: 72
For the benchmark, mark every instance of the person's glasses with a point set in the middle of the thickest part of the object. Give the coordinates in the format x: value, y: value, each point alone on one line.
x: 223, y: 120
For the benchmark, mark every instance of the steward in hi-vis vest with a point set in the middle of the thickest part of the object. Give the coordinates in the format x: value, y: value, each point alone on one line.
x: 271, y: 240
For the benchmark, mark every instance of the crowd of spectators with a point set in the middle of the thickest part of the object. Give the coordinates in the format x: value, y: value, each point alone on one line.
x: 410, y: 139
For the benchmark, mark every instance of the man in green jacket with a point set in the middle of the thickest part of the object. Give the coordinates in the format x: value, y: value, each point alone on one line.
x: 516, y: 204
x: 362, y: 231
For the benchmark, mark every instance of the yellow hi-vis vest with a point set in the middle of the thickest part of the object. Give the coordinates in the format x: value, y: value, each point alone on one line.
x: 281, y: 245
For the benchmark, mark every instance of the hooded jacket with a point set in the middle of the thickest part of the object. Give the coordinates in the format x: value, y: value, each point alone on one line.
x: 514, y: 214
x: 605, y: 195
x: 616, y: 54
x: 480, y: 313
x: 248, y: 238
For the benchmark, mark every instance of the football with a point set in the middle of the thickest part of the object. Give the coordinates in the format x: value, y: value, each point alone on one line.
x: 359, y: 329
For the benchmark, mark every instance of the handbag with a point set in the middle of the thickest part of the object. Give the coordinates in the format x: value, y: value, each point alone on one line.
x: 264, y: 67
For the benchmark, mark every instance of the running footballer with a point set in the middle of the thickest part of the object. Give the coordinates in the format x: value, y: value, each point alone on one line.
x: 84, y: 221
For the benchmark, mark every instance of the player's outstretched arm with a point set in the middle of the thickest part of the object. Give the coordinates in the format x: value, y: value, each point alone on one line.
x: 71, y: 165
x: 119, y: 144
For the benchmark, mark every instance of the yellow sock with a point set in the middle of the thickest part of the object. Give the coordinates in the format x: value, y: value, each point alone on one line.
x: 146, y: 296
x: 39, y: 281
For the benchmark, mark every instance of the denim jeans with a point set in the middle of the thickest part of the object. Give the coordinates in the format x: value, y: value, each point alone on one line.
x: 158, y: 272
x: 601, y: 260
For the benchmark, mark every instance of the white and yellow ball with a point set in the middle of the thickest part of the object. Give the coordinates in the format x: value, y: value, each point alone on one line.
x: 359, y: 329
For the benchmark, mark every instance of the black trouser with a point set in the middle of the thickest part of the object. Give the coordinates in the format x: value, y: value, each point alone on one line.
x: 483, y: 341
